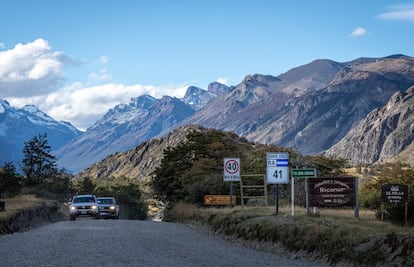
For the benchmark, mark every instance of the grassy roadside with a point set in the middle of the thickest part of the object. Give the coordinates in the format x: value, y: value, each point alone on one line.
x: 334, y: 236
x: 26, y: 211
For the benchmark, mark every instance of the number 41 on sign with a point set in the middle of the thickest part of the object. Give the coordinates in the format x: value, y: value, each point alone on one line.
x: 277, y: 169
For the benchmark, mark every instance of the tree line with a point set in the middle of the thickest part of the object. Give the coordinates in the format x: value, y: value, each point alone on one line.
x: 41, y: 177
x: 194, y: 168
x: 40, y: 174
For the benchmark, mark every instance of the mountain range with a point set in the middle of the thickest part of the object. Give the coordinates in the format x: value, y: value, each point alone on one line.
x: 309, y: 108
x: 20, y: 125
x: 315, y: 108
x: 129, y: 124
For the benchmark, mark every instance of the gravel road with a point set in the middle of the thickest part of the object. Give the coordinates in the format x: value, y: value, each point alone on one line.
x: 89, y: 242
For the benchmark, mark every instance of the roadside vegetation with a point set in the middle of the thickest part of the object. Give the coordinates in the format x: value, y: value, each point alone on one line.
x: 194, y: 168
x: 40, y: 182
x: 334, y: 236
x: 27, y: 211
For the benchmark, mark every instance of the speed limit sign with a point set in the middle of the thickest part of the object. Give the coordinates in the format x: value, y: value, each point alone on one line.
x: 231, y: 169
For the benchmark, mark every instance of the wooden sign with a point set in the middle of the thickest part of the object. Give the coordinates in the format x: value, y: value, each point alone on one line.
x: 332, y: 191
x: 218, y: 200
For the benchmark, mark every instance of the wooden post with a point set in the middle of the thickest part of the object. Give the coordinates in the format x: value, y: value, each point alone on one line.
x: 356, y: 209
x: 382, y: 211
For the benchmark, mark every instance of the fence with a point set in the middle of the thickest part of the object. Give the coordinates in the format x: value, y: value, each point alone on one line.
x: 249, y: 188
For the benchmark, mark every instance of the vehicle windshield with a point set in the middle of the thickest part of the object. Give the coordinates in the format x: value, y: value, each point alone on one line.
x: 83, y: 199
x: 105, y: 201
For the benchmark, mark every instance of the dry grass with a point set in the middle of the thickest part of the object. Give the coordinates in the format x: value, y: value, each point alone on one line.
x: 21, y: 202
x: 331, y: 233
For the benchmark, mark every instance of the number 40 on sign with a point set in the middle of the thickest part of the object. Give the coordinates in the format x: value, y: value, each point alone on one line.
x: 231, y: 169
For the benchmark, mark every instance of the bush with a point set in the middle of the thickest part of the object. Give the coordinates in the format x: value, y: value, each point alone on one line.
x: 10, y: 181
x: 370, y: 194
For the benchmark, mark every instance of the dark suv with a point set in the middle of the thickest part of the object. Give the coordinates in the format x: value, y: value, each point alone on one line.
x: 83, y: 205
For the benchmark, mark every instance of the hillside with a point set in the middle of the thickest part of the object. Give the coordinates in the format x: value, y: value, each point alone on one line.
x: 139, y: 162
x: 385, y: 134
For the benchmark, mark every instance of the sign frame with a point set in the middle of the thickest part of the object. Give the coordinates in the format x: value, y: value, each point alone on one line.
x: 231, y: 170
x: 333, y: 191
x: 277, y: 168
x: 303, y: 173
x: 394, y: 193
x: 219, y: 200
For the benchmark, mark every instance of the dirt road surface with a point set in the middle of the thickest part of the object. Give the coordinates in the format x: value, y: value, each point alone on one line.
x: 90, y: 242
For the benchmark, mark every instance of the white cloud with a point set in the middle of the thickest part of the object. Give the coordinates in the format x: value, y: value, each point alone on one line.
x: 33, y: 74
x: 2, y: 45
x: 103, y: 60
x: 399, y: 13
x: 82, y: 106
x: 102, y: 76
x: 358, y: 32
x: 223, y: 80
x: 30, y: 69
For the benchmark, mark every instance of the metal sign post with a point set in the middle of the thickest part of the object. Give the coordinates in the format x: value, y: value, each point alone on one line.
x: 303, y: 173
x: 231, y: 194
x: 277, y: 198
x: 277, y: 171
x: 231, y: 173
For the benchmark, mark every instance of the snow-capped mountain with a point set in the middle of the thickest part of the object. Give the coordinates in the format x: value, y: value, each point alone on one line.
x: 129, y: 124
x: 122, y: 128
x: 20, y: 125
x: 197, y: 98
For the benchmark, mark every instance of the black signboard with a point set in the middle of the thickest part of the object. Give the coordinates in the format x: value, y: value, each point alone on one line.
x: 394, y: 193
x: 332, y: 191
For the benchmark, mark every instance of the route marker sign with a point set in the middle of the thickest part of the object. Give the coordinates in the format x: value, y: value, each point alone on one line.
x: 277, y: 168
x: 231, y: 169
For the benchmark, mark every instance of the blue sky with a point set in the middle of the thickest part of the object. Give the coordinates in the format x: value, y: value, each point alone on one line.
x: 76, y: 59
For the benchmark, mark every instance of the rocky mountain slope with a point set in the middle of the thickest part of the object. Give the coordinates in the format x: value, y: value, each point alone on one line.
x: 309, y: 108
x: 122, y: 128
x: 129, y: 124
x: 385, y: 134
x: 197, y: 98
x: 20, y: 125
x: 140, y: 161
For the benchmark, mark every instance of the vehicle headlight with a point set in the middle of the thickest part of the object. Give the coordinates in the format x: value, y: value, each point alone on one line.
x: 72, y: 208
x: 112, y: 207
x: 94, y: 207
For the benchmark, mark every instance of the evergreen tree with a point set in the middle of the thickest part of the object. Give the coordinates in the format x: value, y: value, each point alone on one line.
x: 10, y: 181
x: 86, y: 186
x: 38, y: 162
